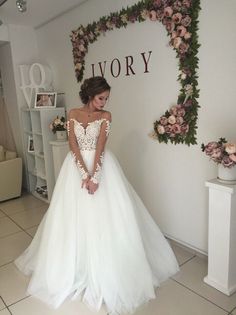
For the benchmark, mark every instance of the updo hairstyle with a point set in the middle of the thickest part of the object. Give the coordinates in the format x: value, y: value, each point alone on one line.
x: 92, y: 87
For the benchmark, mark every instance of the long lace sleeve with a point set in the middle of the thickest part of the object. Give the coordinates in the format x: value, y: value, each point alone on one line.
x: 99, y: 155
x: 74, y: 147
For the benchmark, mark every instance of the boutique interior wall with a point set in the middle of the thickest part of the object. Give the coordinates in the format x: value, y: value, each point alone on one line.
x: 170, y: 179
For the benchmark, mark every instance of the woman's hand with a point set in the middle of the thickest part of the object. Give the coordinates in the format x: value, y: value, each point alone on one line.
x: 91, y: 187
x: 85, y: 182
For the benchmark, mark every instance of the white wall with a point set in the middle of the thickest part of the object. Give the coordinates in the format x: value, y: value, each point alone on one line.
x: 170, y: 179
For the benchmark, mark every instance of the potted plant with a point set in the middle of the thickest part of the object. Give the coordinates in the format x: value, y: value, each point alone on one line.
x: 59, y: 127
x: 224, y: 154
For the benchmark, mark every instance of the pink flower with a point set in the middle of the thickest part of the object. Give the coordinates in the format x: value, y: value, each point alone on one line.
x: 153, y: 15
x: 187, y: 35
x: 176, y: 129
x: 157, y: 3
x: 81, y: 47
x: 184, y: 128
x: 216, y: 153
x: 173, y: 110
x: 171, y: 120
x: 210, y: 147
x: 227, y: 162
x: 230, y: 148
x: 176, y: 42
x: 177, y: 18
x: 186, y: 21
x: 232, y: 157
x: 163, y: 120
x: 188, y: 103
x: 187, y: 3
x: 181, y: 112
x: 160, y: 15
x: 168, y: 129
x: 173, y: 34
x: 168, y: 11
x: 160, y: 129
x: 183, y: 48
x: 170, y: 26
x: 181, y: 30
x: 179, y: 120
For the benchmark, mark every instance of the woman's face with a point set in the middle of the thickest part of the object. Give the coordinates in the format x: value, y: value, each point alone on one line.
x: 100, y: 100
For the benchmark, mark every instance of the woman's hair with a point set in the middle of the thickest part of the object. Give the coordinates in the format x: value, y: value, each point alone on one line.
x: 92, y: 87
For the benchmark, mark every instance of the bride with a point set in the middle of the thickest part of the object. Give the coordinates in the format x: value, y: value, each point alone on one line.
x: 97, y: 241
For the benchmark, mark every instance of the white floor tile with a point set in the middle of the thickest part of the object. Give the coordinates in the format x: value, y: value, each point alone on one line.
x: 29, y: 218
x: 2, y: 214
x: 12, y: 246
x: 13, y: 284
x: 174, y: 299
x: 21, y: 204
x: 181, y: 254
x: 32, y: 230
x: 7, y: 227
x: 32, y: 306
x: 192, y: 274
x: 2, y: 305
x: 5, y: 312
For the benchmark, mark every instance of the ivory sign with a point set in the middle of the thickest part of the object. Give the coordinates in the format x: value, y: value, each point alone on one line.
x: 125, y: 66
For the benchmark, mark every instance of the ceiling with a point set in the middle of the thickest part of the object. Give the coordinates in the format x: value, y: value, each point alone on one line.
x: 38, y: 12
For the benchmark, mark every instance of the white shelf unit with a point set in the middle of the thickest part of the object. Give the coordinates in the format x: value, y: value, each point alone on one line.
x: 40, y: 169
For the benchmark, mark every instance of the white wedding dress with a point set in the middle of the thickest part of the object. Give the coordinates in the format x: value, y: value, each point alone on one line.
x: 101, y: 248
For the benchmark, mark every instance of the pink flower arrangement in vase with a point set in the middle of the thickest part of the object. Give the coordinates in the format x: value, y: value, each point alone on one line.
x: 224, y: 154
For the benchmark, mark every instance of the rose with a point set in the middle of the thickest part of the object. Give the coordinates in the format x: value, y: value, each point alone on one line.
x: 173, y: 34
x: 168, y: 129
x: 176, y: 129
x: 144, y: 14
x: 160, y: 15
x: 171, y: 120
x: 216, y: 153
x: 230, y: 148
x: 183, y: 48
x: 81, y: 47
x: 177, y: 18
x: 124, y: 18
x: 168, y: 11
x: 186, y: 21
x: 157, y: 3
x: 181, y: 30
x: 226, y: 161
x: 163, y: 120
x: 170, y: 26
x: 232, y: 157
x: 210, y: 147
x: 181, y: 112
x: 187, y: 35
x: 153, y: 15
x: 160, y: 129
x: 179, y: 120
x: 187, y: 3
x: 176, y: 42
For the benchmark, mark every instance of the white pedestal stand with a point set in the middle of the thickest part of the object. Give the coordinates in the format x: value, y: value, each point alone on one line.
x: 222, y: 237
x: 59, y: 152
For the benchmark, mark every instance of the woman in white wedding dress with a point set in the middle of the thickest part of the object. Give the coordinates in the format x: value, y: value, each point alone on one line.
x: 97, y: 241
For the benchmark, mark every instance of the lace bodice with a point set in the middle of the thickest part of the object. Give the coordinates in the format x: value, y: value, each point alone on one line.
x: 87, y: 136
x: 91, y: 137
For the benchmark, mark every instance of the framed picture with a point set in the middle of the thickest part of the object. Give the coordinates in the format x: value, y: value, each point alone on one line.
x: 45, y: 100
x: 30, y: 144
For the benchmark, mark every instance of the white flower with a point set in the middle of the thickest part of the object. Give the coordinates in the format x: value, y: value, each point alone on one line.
x: 172, y: 120
x: 160, y: 129
x: 230, y: 148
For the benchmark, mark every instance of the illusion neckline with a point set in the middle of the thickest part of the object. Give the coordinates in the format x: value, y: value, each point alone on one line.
x: 88, y: 124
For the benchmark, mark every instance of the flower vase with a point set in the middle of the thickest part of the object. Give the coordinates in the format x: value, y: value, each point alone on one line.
x: 226, y: 175
x: 61, y: 135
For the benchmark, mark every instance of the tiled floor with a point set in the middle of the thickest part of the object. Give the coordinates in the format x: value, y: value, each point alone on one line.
x: 183, y: 294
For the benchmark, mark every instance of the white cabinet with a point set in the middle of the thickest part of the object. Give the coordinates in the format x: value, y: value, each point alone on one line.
x: 39, y: 159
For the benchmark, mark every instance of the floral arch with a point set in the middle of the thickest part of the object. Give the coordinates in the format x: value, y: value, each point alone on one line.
x: 180, y: 19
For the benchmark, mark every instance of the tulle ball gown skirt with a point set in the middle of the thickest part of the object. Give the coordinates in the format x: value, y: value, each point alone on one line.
x: 101, y: 248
